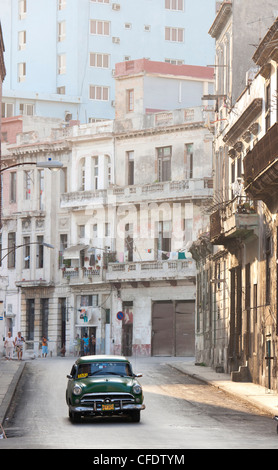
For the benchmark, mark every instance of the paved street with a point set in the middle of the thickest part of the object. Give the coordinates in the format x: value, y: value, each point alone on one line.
x: 181, y: 413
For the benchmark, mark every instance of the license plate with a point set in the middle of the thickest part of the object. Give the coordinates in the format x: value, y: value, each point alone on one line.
x: 107, y: 407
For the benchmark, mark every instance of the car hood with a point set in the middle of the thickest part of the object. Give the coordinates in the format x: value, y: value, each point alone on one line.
x: 106, y: 384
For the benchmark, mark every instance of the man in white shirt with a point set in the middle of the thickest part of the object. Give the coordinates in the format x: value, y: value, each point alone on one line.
x: 9, y: 345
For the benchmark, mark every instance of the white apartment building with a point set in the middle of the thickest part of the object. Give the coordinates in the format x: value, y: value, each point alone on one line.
x: 130, y: 198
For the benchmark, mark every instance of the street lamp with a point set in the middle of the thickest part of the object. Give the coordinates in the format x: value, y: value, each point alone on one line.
x: 49, y: 163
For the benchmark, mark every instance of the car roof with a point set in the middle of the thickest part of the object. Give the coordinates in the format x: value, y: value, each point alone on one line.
x: 100, y: 358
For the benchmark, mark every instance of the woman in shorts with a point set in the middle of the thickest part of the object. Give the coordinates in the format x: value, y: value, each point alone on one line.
x: 19, y: 340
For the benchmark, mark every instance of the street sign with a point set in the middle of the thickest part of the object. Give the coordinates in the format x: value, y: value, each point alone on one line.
x: 120, y: 315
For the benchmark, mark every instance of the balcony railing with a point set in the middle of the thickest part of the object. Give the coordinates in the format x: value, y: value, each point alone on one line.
x: 165, y: 190
x: 151, y: 270
x: 262, y: 155
x: 82, y: 275
x: 237, y: 219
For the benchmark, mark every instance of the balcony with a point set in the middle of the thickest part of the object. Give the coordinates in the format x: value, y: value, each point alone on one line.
x: 261, y: 167
x: 237, y: 220
x: 81, y: 276
x: 146, y: 271
x: 152, y: 192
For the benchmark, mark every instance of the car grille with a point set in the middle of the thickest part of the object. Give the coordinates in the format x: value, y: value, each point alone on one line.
x: 96, y: 400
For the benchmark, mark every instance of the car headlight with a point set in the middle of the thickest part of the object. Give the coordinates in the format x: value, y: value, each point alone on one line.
x: 77, y: 390
x: 137, y: 389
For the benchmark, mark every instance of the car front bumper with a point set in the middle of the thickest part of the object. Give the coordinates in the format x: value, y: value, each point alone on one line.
x: 116, y: 410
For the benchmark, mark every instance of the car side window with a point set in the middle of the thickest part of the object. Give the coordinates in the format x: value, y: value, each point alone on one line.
x: 73, y: 371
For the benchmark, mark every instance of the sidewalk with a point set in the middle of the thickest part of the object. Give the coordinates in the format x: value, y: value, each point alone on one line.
x: 10, y: 373
x: 260, y: 397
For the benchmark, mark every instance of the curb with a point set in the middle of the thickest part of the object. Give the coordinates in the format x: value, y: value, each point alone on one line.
x: 10, y: 393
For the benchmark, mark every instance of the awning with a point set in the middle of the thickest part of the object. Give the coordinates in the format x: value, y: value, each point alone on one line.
x: 73, y: 252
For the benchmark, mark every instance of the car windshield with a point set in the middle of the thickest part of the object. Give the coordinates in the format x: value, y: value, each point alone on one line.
x: 122, y: 369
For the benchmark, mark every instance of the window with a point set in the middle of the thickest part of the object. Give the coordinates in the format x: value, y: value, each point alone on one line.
x: 27, y: 185
x: 26, y: 252
x: 164, y: 163
x: 61, y: 31
x: 63, y: 246
x: 267, y: 269
x: 174, y: 61
x: 22, y: 72
x: 130, y: 167
x: 44, y: 317
x: 7, y: 110
x: 62, y: 4
x: 174, y: 34
x: 107, y: 229
x: 82, y: 175
x: 100, y: 27
x: 30, y: 319
x: 13, y: 186
x: 81, y: 230
x: 267, y: 107
x: 11, y: 250
x: 41, y: 189
x: 61, y: 90
x: 95, y: 173
x: 22, y: 9
x: 40, y: 251
x: 130, y: 100
x: 164, y: 239
x: 129, y: 242
x: 95, y: 231
x: 174, y: 5
x: 21, y: 40
x: 61, y: 64
x: 26, y: 109
x: 98, y: 92
x: 99, y: 60
x: 188, y: 160
x: 89, y: 300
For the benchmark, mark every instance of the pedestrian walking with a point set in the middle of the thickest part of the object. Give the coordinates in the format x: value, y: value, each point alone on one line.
x: 19, y: 340
x: 44, y: 346
x: 9, y: 346
x: 85, y: 341
x: 93, y: 345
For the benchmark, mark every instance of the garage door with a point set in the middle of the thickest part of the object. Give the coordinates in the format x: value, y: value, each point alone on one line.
x: 162, y: 329
x: 173, y: 328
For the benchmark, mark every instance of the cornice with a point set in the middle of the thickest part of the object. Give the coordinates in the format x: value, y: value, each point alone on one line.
x: 221, y: 19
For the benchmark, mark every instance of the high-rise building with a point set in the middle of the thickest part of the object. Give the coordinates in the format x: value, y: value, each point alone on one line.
x: 60, y: 55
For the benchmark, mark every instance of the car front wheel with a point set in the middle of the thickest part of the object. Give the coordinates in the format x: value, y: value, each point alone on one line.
x: 74, y: 417
x: 135, y: 416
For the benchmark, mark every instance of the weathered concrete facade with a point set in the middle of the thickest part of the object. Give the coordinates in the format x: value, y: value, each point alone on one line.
x: 237, y: 311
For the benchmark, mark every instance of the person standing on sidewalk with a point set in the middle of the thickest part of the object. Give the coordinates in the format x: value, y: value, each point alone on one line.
x: 44, y: 346
x: 19, y: 340
x: 9, y: 346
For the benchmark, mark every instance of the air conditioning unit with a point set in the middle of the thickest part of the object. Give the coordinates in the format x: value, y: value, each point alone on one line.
x: 116, y: 40
x: 68, y: 116
x: 116, y: 6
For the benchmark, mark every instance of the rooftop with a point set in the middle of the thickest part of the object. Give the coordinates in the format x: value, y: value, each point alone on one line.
x: 141, y: 66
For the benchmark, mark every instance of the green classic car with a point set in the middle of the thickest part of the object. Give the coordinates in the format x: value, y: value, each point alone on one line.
x: 103, y: 385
